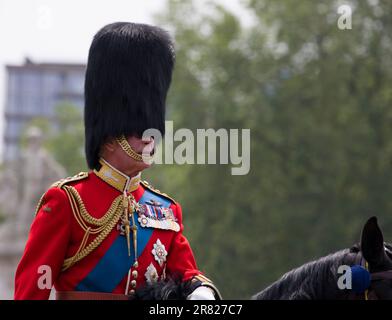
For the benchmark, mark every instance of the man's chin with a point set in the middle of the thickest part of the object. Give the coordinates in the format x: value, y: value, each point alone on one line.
x: 137, y: 168
x: 145, y: 165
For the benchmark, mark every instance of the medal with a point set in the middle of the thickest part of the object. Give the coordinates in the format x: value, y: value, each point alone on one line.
x: 159, y: 252
x: 151, y: 274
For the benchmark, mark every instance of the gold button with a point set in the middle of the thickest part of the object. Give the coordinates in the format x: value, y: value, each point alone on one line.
x: 136, y: 264
x: 131, y: 292
x: 133, y: 283
x: 134, y: 274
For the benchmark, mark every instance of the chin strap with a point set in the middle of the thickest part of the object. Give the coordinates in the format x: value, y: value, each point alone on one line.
x: 132, y: 153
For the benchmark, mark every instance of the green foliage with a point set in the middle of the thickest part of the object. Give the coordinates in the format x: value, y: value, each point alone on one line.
x: 2, y: 217
x: 67, y: 144
x: 318, y: 102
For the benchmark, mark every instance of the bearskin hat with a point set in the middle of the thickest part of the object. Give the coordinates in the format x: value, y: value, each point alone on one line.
x: 128, y: 74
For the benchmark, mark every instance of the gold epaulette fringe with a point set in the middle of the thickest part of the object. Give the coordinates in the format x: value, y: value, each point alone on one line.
x: 151, y: 188
x: 59, y: 184
x: 77, y: 177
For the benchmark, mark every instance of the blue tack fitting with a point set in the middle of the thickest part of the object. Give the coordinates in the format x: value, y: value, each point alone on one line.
x: 360, y: 279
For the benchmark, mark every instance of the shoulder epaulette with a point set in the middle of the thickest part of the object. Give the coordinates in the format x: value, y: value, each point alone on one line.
x: 60, y: 184
x: 77, y: 177
x: 151, y: 188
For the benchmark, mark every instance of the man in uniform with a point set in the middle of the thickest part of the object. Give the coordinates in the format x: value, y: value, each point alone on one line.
x: 105, y: 233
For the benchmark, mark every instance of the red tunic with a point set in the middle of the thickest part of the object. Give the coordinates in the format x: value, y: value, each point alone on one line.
x: 56, y: 235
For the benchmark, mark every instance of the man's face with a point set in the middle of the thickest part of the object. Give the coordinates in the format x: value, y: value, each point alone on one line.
x: 116, y: 156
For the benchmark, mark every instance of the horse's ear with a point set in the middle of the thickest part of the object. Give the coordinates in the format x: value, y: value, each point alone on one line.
x: 372, y: 242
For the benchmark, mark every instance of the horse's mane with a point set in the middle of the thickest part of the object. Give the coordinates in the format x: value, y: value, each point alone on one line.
x: 313, y: 280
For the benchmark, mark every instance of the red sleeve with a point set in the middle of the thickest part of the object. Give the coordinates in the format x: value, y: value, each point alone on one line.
x: 180, y: 258
x: 45, y: 248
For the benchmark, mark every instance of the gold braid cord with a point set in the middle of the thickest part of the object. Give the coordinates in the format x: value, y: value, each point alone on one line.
x: 102, y: 226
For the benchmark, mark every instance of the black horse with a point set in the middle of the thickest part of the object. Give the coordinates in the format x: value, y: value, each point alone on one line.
x: 314, y: 280
x: 319, y: 279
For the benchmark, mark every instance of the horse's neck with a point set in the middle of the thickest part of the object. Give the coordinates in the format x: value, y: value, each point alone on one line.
x: 314, y: 280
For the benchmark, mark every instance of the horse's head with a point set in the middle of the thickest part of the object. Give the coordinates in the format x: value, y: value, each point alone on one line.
x: 376, y: 256
x: 319, y: 279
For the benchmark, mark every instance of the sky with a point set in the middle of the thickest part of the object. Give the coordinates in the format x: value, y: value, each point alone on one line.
x: 62, y: 30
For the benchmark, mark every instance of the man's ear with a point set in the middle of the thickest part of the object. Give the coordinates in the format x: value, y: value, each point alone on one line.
x: 109, y: 146
x: 372, y: 242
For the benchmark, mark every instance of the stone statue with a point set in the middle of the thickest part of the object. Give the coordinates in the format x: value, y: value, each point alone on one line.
x: 37, y: 171
x: 22, y: 183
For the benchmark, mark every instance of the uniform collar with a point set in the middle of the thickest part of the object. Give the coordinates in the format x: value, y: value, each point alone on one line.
x: 116, y: 178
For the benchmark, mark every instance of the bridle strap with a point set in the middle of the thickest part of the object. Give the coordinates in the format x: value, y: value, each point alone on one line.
x: 374, y: 276
x: 383, y: 275
x: 358, y: 260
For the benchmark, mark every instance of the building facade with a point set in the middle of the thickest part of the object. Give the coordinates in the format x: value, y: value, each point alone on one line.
x: 34, y: 90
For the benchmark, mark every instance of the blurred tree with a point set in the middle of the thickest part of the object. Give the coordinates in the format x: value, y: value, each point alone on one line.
x: 318, y: 102
x: 64, y: 137
x: 67, y: 144
x: 41, y: 123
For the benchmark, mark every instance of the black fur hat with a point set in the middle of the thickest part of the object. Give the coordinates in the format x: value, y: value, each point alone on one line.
x: 128, y: 75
